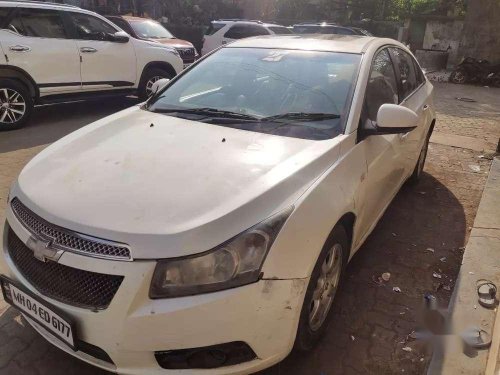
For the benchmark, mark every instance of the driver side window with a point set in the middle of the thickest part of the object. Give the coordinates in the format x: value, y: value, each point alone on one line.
x: 382, y: 86
x: 91, y: 28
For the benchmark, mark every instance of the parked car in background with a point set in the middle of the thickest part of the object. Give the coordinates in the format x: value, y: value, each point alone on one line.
x: 207, y: 231
x: 226, y: 31
x: 328, y: 28
x: 53, y: 53
x: 148, y: 29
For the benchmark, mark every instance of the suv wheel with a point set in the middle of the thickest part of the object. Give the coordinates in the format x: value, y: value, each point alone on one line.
x: 322, y: 289
x: 148, y: 79
x: 16, y: 104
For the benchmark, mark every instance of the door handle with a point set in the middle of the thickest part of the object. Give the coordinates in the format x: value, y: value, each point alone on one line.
x: 19, y: 48
x: 87, y: 50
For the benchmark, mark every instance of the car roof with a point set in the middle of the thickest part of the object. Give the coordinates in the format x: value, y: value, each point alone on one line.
x: 247, y: 22
x: 38, y: 4
x: 313, y: 42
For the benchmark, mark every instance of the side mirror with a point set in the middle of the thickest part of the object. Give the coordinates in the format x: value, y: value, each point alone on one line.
x: 394, y: 119
x: 118, y: 37
x: 159, y: 85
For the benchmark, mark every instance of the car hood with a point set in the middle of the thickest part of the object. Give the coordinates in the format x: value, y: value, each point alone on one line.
x: 174, y: 42
x: 168, y: 186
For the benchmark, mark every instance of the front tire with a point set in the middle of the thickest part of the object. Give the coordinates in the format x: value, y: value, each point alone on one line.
x: 148, y: 79
x: 459, y: 76
x: 321, y: 291
x: 16, y: 104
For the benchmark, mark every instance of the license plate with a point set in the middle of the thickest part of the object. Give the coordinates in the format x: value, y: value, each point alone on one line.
x: 38, y: 310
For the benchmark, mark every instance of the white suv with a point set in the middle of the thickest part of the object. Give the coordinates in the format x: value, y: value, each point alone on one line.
x: 52, y: 52
x: 228, y: 30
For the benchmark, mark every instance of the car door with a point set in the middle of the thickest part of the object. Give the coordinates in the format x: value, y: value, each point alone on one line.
x: 413, y: 96
x: 105, y: 64
x: 240, y: 31
x: 383, y: 153
x: 37, y: 41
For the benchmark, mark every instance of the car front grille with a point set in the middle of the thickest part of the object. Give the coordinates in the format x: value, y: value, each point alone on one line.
x: 66, y: 284
x: 68, y: 240
x: 187, y: 54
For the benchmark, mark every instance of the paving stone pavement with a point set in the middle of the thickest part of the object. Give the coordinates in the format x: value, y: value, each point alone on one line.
x: 371, y: 322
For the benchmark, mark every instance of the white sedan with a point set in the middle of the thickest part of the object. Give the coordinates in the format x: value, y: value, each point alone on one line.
x: 206, y: 231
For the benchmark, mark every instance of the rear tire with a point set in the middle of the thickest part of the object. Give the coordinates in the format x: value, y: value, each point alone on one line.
x: 149, y: 77
x: 417, y: 172
x: 313, y: 322
x: 16, y: 104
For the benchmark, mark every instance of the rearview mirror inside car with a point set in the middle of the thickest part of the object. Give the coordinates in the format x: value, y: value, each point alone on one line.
x: 393, y: 119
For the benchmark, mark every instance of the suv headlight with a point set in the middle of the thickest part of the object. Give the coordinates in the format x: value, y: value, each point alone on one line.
x: 234, y: 263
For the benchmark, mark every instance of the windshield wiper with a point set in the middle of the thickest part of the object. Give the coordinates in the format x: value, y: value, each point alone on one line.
x: 206, y: 111
x: 302, y: 116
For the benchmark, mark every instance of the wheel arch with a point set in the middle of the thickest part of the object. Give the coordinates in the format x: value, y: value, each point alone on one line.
x: 159, y: 65
x: 348, y: 221
x: 18, y: 74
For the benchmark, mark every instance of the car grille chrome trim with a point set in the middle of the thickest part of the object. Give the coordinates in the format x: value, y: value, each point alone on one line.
x: 66, y: 284
x: 68, y: 240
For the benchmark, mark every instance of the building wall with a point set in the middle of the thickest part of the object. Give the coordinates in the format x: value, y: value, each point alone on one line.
x: 481, y: 34
x: 444, y: 36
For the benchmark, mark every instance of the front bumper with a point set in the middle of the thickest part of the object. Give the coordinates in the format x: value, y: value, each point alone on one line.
x: 264, y: 315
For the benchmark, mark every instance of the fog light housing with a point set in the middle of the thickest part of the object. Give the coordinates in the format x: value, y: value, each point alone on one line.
x: 228, y: 354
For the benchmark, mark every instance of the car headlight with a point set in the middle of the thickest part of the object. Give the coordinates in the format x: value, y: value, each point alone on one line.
x: 234, y: 263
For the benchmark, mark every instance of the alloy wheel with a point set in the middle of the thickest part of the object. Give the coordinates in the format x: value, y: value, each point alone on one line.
x: 326, y: 287
x: 12, y: 106
x: 149, y: 85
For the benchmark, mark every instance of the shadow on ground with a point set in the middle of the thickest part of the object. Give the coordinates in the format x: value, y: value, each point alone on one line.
x: 370, y: 323
x: 51, y: 122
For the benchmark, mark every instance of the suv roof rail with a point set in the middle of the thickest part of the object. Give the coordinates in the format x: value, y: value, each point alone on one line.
x: 45, y: 2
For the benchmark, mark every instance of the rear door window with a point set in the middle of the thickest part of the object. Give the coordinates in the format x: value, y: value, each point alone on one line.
x: 214, y: 27
x: 40, y: 23
x: 405, y: 69
x: 245, y: 31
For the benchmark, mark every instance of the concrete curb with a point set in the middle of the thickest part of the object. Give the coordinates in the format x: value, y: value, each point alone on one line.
x: 481, y: 260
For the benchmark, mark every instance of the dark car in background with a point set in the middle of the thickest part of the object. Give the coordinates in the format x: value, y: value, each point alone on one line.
x: 148, y: 29
x: 328, y: 28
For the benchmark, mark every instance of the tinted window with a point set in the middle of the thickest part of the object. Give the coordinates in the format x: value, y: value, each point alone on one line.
x: 245, y: 31
x: 419, y: 73
x: 306, y: 29
x: 269, y: 82
x: 280, y: 30
x: 214, y: 27
x: 382, y: 86
x: 39, y: 23
x: 343, y: 31
x: 4, y: 12
x: 406, y: 72
x: 90, y: 27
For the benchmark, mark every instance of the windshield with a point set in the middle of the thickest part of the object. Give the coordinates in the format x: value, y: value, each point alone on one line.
x: 302, y: 94
x: 150, y: 30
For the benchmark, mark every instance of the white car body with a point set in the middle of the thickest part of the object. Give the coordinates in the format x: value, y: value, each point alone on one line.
x: 72, y: 66
x: 221, y: 36
x: 102, y: 181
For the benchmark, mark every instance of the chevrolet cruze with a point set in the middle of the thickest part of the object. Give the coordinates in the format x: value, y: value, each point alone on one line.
x: 207, y: 230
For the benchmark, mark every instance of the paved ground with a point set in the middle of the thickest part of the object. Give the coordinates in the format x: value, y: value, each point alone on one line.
x: 372, y: 322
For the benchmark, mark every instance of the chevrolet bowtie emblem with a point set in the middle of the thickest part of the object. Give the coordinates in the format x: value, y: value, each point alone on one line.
x: 43, y: 250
